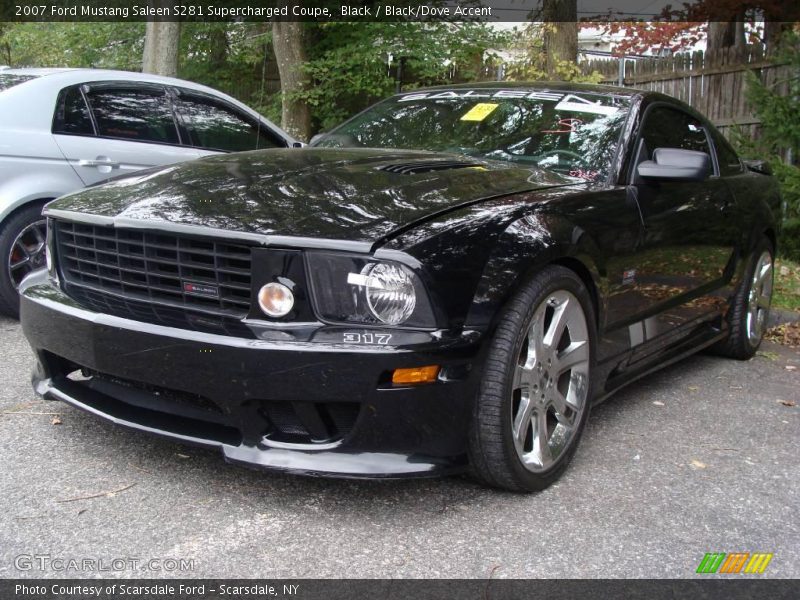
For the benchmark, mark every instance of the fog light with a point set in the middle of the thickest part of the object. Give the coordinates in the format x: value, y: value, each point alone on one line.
x: 416, y: 375
x: 276, y: 300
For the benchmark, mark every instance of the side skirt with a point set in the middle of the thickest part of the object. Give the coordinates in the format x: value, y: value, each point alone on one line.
x: 692, y: 345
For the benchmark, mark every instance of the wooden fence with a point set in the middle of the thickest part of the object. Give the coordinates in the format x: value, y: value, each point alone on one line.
x: 714, y: 83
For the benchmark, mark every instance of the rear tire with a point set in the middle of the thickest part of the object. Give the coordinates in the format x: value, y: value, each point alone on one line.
x: 536, y: 390
x: 22, y: 247
x: 749, y: 308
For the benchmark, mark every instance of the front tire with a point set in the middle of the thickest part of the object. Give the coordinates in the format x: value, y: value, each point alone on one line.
x: 537, y: 387
x: 22, y: 250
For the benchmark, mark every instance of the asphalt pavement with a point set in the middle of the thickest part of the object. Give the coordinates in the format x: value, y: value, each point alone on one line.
x: 701, y: 457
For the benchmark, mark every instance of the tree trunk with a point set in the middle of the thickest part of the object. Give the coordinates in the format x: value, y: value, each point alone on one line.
x: 773, y: 31
x: 560, y: 34
x: 219, y: 48
x: 161, y: 42
x: 290, y: 53
x: 724, y: 35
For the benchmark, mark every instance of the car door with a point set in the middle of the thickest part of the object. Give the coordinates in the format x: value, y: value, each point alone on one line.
x: 687, y: 249
x: 111, y: 128
x: 213, y: 125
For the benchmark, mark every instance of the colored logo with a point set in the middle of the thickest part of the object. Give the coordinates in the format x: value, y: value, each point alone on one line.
x: 734, y: 562
x: 200, y: 289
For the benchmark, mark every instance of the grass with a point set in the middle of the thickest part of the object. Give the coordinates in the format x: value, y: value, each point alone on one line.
x: 786, y: 294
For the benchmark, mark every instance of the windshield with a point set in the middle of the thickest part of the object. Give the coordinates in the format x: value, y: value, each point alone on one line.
x: 573, y: 133
x: 8, y: 80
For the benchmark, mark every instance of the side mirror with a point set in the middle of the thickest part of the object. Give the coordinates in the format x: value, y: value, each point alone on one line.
x: 317, y: 137
x: 298, y: 145
x: 676, y: 164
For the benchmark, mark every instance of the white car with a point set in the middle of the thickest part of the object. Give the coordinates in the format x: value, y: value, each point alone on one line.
x: 63, y: 129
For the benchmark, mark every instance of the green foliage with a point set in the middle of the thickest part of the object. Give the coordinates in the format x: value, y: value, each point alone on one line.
x: 780, y: 138
x: 352, y: 66
x: 100, y: 45
x: 790, y: 239
x: 226, y: 56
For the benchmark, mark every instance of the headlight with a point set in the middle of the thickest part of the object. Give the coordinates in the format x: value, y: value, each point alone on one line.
x: 350, y: 289
x: 389, y: 290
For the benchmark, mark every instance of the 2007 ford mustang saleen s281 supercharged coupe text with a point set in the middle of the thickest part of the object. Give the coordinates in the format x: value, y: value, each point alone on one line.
x: 445, y: 282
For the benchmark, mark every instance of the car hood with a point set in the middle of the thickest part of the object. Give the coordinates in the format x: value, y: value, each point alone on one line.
x: 358, y: 195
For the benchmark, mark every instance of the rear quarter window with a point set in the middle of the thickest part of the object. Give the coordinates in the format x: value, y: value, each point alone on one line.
x: 72, y: 115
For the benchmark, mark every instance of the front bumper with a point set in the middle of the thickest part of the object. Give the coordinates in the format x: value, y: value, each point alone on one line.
x: 257, y: 399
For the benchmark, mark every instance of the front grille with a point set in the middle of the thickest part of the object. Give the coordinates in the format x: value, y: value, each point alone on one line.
x: 165, y: 269
x: 169, y: 316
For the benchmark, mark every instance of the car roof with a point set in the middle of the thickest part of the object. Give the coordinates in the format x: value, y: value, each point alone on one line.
x: 66, y: 76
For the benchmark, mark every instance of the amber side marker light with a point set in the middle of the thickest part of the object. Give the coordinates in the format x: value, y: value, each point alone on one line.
x: 415, y: 375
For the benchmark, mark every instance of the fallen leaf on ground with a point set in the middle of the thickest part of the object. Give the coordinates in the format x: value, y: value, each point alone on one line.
x: 791, y: 368
x: 697, y: 464
x: 693, y: 388
x: 183, y: 455
x: 787, y: 334
x: 787, y: 402
x: 657, y: 403
x: 55, y: 421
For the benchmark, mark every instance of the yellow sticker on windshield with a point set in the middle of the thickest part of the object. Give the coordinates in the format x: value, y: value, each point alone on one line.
x: 479, y: 112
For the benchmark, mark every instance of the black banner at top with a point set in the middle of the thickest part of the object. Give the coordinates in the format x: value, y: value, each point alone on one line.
x: 396, y: 10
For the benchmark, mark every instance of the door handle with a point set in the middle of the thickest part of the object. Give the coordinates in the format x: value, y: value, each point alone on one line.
x: 85, y: 162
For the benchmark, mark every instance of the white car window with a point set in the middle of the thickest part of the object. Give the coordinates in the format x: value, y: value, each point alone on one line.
x: 141, y: 115
x: 214, y: 126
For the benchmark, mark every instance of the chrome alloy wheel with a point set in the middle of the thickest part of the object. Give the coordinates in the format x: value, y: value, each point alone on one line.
x: 551, y: 381
x: 27, y: 252
x: 759, y: 299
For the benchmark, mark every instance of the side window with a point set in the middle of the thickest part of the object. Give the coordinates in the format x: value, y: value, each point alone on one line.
x: 142, y: 115
x: 214, y: 126
x: 72, y: 115
x: 670, y: 128
x: 729, y: 163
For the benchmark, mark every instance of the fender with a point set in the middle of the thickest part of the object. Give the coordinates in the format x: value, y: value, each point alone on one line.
x: 34, y: 187
x: 757, y: 217
x: 43, y: 173
x: 528, y: 245
x: 475, y: 257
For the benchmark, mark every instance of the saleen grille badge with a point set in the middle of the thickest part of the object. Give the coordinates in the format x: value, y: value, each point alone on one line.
x: 200, y: 289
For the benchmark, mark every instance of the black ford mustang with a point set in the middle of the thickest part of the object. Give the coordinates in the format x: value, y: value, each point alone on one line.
x: 447, y: 281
